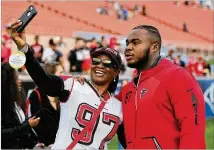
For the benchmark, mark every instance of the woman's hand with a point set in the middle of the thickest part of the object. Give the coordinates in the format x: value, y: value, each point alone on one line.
x: 18, y: 38
x: 33, y: 121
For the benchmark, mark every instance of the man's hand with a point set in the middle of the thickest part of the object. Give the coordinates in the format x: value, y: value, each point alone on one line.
x: 18, y: 38
x: 80, y: 79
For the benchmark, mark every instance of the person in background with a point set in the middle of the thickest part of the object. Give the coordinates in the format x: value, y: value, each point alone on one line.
x: 170, y: 55
x: 180, y: 62
x: 52, y: 54
x: 112, y: 42
x: 60, y: 42
x: 6, y: 44
x: 86, y: 63
x: 103, y: 42
x: 144, y: 10
x: 207, y: 68
x: 199, y: 67
x: 75, y: 56
x: 37, y: 49
x: 185, y: 27
x: 94, y: 44
x: 5, y: 52
x: 16, y: 129
x: 47, y: 108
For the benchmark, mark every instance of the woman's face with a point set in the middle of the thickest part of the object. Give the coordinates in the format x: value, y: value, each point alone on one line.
x: 59, y: 70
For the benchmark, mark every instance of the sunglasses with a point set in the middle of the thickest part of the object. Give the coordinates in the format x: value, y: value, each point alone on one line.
x: 105, y: 63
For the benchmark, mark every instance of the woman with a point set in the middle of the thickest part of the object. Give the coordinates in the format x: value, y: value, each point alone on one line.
x: 90, y: 114
x: 16, y: 131
x: 47, y: 108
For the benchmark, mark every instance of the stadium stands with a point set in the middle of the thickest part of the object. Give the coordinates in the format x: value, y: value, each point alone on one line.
x: 63, y: 18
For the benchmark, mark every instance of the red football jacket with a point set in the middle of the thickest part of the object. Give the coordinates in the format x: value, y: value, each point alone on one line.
x: 165, y: 109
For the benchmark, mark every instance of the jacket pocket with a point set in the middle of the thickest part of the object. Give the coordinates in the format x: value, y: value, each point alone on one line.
x: 151, y: 142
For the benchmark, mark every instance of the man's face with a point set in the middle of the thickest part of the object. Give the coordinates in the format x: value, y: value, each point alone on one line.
x: 138, y: 48
x: 100, y: 74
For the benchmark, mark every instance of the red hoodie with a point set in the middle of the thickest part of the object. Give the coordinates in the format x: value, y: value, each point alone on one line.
x: 165, y: 109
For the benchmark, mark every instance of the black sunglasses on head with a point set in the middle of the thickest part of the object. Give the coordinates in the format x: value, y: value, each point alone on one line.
x: 106, y: 63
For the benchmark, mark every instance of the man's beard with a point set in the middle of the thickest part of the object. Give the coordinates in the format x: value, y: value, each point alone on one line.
x: 142, y: 62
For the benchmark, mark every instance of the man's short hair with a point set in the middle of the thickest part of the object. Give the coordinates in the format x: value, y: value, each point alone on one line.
x: 155, y: 34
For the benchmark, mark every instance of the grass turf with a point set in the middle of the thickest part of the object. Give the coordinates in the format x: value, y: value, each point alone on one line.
x: 209, y: 136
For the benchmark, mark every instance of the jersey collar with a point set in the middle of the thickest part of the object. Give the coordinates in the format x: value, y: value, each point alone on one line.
x: 104, y: 97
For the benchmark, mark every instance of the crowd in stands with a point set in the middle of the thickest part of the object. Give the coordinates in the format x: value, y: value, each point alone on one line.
x: 194, y: 3
x: 197, y: 65
x: 79, y: 57
x: 122, y: 12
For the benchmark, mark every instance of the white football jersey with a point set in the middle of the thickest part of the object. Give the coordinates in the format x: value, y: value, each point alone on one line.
x: 78, y: 110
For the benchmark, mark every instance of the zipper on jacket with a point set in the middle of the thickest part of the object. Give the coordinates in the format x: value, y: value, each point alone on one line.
x: 136, y: 108
x: 157, y: 145
x: 136, y: 91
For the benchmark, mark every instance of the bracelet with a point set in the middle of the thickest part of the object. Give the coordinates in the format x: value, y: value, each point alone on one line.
x: 25, y: 48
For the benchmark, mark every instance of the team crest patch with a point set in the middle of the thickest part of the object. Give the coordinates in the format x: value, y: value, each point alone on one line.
x: 143, y: 92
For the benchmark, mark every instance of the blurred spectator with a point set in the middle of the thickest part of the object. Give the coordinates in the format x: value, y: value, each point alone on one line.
x: 144, y: 13
x: 86, y: 64
x: 6, y: 44
x: 121, y: 52
x: 47, y: 108
x: 6, y: 37
x: 75, y: 56
x: 37, y: 49
x: 59, y: 42
x: 124, y: 13
x: 102, y: 11
x: 116, y: 6
x: 170, y: 55
x: 52, y: 54
x: 103, y: 42
x: 136, y: 9
x: 179, y: 61
x: 185, y: 28
x: 112, y: 42
x: 187, y: 2
x: 191, y: 64
x: 5, y: 52
x: 94, y: 44
x: 16, y: 129
x: 199, y: 67
x: 207, y: 68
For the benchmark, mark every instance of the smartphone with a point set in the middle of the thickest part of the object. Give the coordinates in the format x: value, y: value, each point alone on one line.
x: 26, y: 17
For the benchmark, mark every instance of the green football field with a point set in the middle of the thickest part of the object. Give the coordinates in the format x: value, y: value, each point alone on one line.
x: 209, y: 136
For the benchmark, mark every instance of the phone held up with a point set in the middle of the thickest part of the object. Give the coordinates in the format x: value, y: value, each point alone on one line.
x: 26, y: 17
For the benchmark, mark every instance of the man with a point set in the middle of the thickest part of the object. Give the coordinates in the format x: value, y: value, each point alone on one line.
x: 163, y: 106
x: 38, y: 49
x: 89, y: 115
x: 180, y: 62
x: 75, y: 56
x: 52, y: 54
